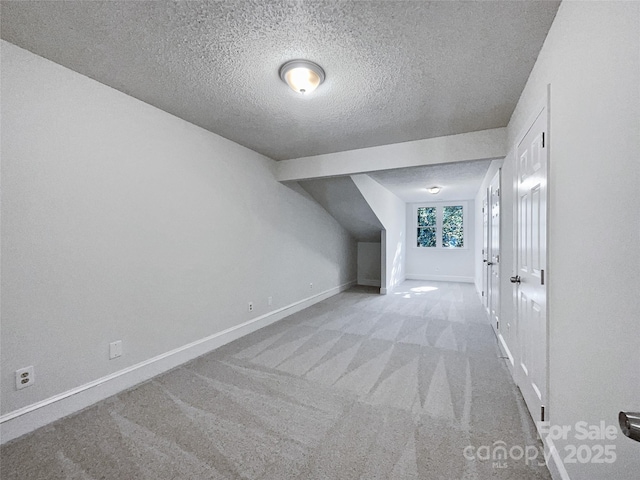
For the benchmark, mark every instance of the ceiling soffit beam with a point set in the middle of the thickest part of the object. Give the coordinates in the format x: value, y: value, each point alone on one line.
x: 482, y: 145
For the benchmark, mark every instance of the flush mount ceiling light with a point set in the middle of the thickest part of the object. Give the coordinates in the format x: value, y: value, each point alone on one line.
x: 302, y: 76
x: 434, y: 190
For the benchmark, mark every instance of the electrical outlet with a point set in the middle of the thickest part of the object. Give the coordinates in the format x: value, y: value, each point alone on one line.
x: 115, y: 349
x: 270, y: 301
x: 251, y: 306
x: 311, y: 286
x: 25, y: 377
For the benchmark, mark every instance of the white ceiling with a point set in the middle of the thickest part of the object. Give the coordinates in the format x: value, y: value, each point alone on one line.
x: 342, y: 199
x: 459, y: 181
x: 396, y: 70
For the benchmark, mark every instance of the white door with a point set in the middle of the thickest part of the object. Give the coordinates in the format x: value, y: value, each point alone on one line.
x: 494, y: 252
x: 530, y: 281
x: 485, y: 251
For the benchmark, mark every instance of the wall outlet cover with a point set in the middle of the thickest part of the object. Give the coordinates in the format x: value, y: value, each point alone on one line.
x: 25, y: 377
x: 115, y: 349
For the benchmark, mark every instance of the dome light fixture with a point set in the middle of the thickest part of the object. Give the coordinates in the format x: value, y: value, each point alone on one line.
x: 302, y: 76
x: 434, y: 190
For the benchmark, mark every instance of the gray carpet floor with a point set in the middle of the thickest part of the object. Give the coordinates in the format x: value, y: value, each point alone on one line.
x: 359, y: 386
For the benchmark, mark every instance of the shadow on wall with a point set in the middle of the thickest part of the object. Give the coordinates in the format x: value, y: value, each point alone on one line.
x: 397, y: 271
x: 316, y: 243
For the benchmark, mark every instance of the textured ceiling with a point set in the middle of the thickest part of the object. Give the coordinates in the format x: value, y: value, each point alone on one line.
x: 459, y: 181
x: 396, y: 71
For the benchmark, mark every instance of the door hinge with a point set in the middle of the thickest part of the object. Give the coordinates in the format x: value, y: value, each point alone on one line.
x: 497, y: 258
x: 541, y: 277
x: 542, y: 139
x: 542, y: 413
x: 497, y: 325
x: 483, y: 293
x: 498, y: 192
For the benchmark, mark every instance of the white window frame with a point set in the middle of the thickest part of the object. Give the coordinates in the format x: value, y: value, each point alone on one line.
x: 439, y: 214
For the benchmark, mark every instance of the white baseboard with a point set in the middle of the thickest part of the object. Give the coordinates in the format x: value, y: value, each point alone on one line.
x: 506, y: 351
x: 24, y: 420
x: 369, y: 282
x: 554, y: 462
x: 440, y: 278
x: 391, y: 288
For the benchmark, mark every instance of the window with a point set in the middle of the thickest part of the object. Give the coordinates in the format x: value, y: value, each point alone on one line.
x: 452, y: 227
x: 427, y: 226
x: 440, y: 226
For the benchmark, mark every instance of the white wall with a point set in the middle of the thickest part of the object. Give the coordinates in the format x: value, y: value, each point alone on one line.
x: 390, y: 210
x: 481, y: 145
x: 591, y: 58
x: 369, y: 266
x: 441, y: 264
x: 122, y: 222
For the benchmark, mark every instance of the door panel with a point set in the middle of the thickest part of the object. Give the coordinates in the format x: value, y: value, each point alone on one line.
x: 532, y: 374
x: 494, y: 252
x: 536, y: 200
x: 485, y: 251
x: 523, y: 237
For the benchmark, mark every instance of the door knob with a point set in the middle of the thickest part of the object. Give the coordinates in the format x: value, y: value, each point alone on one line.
x: 515, y: 279
x: 630, y: 424
x: 489, y: 263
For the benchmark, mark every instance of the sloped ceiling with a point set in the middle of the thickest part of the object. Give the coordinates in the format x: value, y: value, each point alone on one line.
x: 342, y: 199
x: 396, y: 70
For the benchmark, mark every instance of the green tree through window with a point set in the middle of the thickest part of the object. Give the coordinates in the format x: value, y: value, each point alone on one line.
x: 440, y: 226
x: 427, y: 227
x: 452, y: 227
